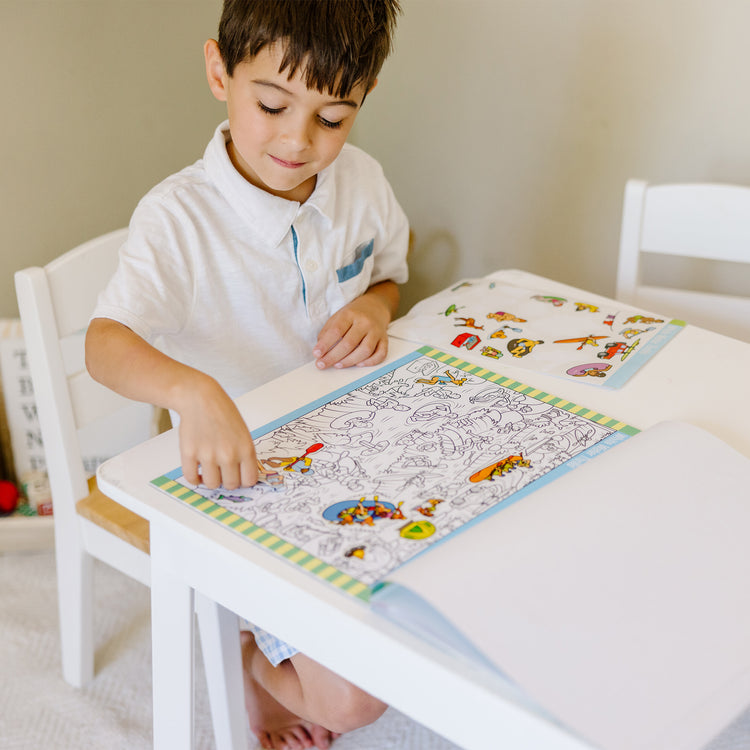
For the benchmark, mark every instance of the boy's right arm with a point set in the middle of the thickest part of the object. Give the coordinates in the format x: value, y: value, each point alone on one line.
x: 216, y: 448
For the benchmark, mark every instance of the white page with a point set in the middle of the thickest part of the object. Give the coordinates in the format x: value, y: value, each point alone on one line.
x: 618, y: 596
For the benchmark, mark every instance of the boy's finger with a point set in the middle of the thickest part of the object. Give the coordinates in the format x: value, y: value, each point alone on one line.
x: 190, y: 470
x: 230, y: 476
x: 345, y: 348
x: 331, y: 335
x: 380, y: 353
x: 210, y: 476
x: 248, y: 472
x: 364, y: 352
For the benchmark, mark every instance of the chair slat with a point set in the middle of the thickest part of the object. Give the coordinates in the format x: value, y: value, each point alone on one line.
x: 73, y: 294
x: 693, y: 223
x: 699, y: 221
x: 91, y: 400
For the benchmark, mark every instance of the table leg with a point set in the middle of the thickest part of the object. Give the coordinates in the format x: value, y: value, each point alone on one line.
x: 220, y: 643
x: 172, y: 647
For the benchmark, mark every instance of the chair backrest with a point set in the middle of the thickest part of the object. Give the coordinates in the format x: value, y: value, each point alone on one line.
x: 706, y: 221
x: 78, y: 418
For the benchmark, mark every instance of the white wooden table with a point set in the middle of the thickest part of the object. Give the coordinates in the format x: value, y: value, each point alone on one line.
x: 700, y: 377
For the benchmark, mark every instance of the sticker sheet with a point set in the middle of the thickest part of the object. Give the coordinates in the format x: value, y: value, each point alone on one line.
x: 490, y: 321
x: 363, y: 480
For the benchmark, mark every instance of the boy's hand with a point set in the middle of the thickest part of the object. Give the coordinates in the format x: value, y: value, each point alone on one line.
x: 216, y: 449
x: 357, y: 333
x: 215, y: 445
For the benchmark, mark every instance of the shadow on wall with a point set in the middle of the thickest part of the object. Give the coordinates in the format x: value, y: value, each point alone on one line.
x: 433, y: 264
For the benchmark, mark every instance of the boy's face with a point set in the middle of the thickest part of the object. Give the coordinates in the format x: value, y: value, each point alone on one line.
x: 282, y: 133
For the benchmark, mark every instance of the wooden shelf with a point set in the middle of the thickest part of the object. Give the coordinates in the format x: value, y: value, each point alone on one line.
x: 20, y: 532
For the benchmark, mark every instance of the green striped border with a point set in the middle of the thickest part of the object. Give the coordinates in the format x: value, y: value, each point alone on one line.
x: 527, y: 390
x: 279, y: 546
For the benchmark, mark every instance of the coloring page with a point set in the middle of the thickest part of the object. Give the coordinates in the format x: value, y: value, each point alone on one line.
x: 489, y: 320
x: 366, y: 480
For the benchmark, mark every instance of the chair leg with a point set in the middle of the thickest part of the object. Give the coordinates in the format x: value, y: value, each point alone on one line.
x: 220, y: 644
x: 76, y: 609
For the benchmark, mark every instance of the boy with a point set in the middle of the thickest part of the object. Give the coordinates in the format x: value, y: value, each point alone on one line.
x: 282, y: 243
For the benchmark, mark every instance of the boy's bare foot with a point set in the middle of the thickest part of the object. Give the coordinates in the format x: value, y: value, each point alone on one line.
x: 276, y: 727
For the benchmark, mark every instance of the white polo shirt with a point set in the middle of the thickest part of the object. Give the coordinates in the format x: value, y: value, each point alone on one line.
x: 237, y: 282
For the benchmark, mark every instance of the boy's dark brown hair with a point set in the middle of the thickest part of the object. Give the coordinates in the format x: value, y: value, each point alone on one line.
x: 337, y: 44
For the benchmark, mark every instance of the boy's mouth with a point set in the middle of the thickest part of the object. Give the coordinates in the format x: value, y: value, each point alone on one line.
x: 287, y: 164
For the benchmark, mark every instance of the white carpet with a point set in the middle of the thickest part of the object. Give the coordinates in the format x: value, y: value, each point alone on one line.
x: 39, y: 711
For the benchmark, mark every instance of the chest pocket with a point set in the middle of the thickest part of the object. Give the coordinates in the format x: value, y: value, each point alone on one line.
x: 354, y: 278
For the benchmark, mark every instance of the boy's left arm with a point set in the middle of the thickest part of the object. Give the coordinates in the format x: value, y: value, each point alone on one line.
x: 357, y: 333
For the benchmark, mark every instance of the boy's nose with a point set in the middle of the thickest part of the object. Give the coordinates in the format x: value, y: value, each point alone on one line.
x: 297, y: 134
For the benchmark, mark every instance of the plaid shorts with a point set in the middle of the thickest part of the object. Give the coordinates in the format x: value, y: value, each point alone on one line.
x: 274, y: 649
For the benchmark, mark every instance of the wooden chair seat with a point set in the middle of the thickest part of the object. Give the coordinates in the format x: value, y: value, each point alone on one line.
x: 115, y: 518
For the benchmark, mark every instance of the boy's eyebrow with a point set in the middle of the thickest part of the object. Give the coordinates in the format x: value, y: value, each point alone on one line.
x: 271, y: 84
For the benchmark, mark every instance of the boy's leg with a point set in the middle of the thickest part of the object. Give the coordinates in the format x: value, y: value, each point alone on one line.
x: 276, y: 727
x: 322, y: 703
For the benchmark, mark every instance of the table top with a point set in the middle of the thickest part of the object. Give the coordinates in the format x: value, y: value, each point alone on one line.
x: 699, y: 377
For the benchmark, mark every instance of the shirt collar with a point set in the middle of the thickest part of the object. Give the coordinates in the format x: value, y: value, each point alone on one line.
x: 268, y: 216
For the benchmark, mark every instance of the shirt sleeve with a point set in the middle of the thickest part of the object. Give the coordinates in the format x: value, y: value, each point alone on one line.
x: 390, y: 258
x: 151, y: 291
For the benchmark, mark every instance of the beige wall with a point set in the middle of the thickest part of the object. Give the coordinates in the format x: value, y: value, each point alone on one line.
x: 507, y: 127
x: 101, y: 99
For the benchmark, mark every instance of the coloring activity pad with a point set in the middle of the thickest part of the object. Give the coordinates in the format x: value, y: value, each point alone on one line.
x: 492, y: 320
x: 364, y: 479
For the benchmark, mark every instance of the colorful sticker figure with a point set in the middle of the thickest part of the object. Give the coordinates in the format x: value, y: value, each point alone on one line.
x: 500, y: 333
x: 612, y: 349
x: 500, y: 468
x: 268, y: 476
x: 386, y: 510
x: 628, y: 333
x: 609, y: 320
x: 628, y: 351
x: 428, y: 509
x: 450, y: 310
x: 490, y: 351
x: 299, y: 464
x: 467, y: 340
x: 358, y: 552
x: 469, y: 323
x: 459, y: 286
x: 417, y: 530
x: 363, y: 513
x: 522, y: 347
x: 593, y: 369
x: 582, y: 340
x: 581, y: 306
x: 643, y: 320
x: 551, y: 299
x: 501, y: 317
x: 445, y: 379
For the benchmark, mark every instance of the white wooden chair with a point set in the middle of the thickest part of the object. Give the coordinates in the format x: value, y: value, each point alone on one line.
x: 77, y: 415
x: 707, y: 221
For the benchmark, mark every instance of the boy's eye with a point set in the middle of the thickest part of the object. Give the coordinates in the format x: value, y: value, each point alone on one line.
x: 270, y: 110
x: 328, y: 124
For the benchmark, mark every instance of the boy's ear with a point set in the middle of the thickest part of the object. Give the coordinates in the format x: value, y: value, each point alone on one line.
x: 215, y: 71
